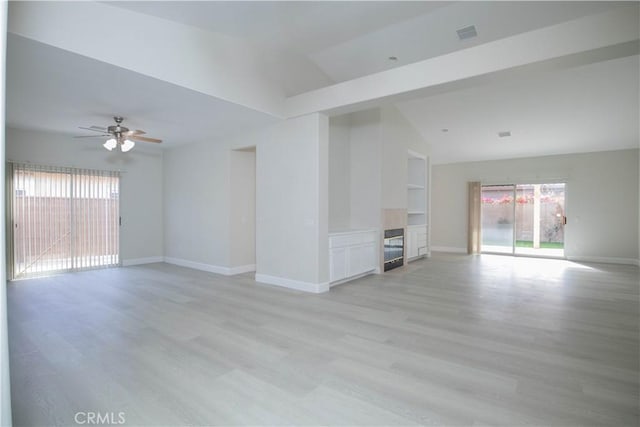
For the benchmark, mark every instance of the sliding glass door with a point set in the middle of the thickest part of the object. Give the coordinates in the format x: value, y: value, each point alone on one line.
x: 62, y: 219
x: 497, y: 218
x: 524, y: 219
x: 540, y: 219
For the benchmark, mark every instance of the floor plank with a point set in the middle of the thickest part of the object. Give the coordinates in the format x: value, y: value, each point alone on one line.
x: 451, y: 340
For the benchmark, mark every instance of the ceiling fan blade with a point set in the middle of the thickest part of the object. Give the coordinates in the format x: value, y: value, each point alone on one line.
x: 98, y: 128
x: 135, y: 132
x: 92, y: 136
x: 144, y: 138
x: 93, y: 129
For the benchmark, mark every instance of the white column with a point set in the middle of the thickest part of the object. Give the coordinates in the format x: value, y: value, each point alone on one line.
x: 292, y: 232
x: 5, y: 391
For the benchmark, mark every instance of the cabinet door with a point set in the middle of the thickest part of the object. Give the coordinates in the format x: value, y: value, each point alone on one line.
x: 412, y: 243
x: 356, y: 260
x: 337, y: 264
x: 361, y: 259
x: 421, y: 237
x: 370, y: 259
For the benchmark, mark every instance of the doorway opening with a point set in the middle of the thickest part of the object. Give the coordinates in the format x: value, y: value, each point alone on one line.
x: 243, y: 210
x: 524, y: 219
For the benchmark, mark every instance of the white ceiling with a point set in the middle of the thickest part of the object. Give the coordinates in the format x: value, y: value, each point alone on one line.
x: 589, y: 108
x: 54, y: 90
x: 337, y: 41
x: 285, y: 33
x: 300, y: 26
x: 307, y: 45
x: 432, y: 34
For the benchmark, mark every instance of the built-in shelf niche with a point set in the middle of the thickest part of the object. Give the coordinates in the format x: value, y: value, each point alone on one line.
x: 416, y: 189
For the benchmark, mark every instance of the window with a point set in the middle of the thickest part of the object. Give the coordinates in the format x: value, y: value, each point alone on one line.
x: 62, y: 219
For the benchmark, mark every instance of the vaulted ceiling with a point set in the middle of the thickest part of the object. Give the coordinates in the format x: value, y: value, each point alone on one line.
x: 593, y: 107
x: 196, y: 71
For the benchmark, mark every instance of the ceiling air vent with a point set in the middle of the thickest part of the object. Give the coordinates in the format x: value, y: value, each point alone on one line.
x: 504, y: 134
x: 467, y: 32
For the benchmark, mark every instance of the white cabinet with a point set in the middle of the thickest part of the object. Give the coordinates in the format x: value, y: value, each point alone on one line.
x: 337, y: 263
x: 360, y: 259
x: 352, y: 254
x: 416, y: 241
x: 410, y: 245
x: 371, y: 256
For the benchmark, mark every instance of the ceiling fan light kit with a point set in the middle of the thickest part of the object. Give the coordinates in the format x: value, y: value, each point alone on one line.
x: 127, y: 145
x: 110, y: 144
x: 118, y: 136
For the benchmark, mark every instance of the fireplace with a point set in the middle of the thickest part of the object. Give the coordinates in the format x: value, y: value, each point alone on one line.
x: 393, y: 248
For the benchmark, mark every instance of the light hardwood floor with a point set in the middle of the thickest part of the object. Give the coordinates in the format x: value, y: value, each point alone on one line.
x: 452, y: 340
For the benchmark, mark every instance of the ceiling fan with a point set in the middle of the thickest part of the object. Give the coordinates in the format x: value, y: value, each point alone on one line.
x: 118, y: 135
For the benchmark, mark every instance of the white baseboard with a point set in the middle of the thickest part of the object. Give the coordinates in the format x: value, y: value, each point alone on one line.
x: 242, y: 269
x: 227, y: 271
x: 357, y: 276
x: 448, y: 249
x: 197, y: 265
x: 604, y: 260
x: 139, y: 261
x: 263, y: 278
x: 299, y: 285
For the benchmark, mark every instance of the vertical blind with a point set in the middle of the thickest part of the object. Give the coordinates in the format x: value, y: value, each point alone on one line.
x: 62, y: 219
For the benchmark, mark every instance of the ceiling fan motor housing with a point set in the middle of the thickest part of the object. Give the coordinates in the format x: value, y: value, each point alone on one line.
x: 119, y: 134
x: 117, y: 130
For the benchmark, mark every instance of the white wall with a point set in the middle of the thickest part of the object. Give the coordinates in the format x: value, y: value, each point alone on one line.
x: 242, y: 218
x: 368, y: 166
x: 366, y: 170
x: 141, y: 234
x: 292, y: 203
x: 398, y: 137
x: 394, y: 160
x: 196, y: 204
x: 205, y: 200
x: 601, y: 204
x: 339, y: 173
